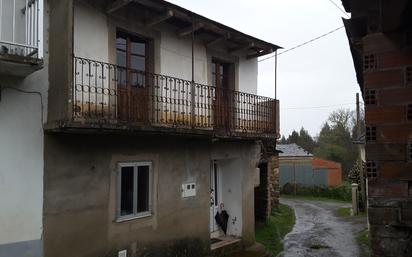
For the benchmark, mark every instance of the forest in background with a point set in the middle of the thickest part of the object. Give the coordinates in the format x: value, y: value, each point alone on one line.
x: 335, y: 140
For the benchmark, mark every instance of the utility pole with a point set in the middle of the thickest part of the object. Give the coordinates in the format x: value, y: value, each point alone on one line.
x: 362, y: 177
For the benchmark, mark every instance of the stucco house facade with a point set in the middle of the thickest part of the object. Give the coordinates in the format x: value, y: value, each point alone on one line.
x: 127, y: 126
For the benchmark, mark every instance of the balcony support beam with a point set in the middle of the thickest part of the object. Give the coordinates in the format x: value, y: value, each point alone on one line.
x: 242, y: 48
x: 117, y: 5
x: 159, y: 19
x: 259, y: 53
x: 217, y: 40
x: 191, y: 29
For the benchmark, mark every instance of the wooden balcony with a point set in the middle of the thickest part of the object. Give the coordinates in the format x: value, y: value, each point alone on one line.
x: 108, y: 97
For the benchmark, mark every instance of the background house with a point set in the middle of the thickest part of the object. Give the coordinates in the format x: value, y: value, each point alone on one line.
x: 297, y: 166
x: 331, y: 168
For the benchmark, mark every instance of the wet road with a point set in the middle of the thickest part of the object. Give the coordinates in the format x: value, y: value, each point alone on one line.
x: 320, y: 232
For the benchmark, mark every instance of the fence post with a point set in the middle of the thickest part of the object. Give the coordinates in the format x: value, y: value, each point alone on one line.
x: 355, y: 199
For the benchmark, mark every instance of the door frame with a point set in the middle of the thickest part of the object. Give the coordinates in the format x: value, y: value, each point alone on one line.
x: 136, y: 97
x: 215, y: 183
x: 224, y: 88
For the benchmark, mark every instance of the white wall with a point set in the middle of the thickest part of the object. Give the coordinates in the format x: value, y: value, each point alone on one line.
x: 21, y: 162
x: 93, y: 36
x: 248, y: 71
x: 231, y: 186
x: 91, y: 33
x: 176, y: 57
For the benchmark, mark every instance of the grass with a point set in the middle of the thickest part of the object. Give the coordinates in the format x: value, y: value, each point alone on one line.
x: 363, y: 237
x: 342, y: 192
x: 364, y: 242
x: 344, y: 212
x: 279, y: 224
x: 314, y: 198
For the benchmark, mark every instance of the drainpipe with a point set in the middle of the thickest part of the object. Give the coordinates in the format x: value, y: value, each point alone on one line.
x: 193, y: 74
x: 276, y: 75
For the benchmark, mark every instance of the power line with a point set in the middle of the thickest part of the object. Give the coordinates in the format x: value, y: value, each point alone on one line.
x: 317, y: 107
x: 340, y: 9
x: 303, y: 44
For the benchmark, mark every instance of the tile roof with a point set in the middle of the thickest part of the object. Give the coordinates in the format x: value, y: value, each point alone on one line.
x: 292, y: 150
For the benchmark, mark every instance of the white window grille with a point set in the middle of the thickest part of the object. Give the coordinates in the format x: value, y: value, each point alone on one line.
x: 21, y: 28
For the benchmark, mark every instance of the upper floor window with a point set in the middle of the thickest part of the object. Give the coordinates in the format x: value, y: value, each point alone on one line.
x: 370, y: 133
x: 370, y: 97
x: 409, y: 112
x: 131, y: 53
x: 134, y: 190
x: 408, y: 74
x: 371, y: 168
x: 220, y: 74
x: 369, y: 62
x: 409, y: 151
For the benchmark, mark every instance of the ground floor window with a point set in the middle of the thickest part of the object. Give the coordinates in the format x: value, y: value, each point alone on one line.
x: 134, y: 190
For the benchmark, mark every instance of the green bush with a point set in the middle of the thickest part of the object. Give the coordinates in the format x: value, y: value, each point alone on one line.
x: 342, y: 192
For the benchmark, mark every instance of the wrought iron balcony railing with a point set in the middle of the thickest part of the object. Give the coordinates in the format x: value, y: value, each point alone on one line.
x: 104, y: 93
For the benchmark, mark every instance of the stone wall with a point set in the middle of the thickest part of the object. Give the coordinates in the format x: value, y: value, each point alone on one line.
x: 267, y: 193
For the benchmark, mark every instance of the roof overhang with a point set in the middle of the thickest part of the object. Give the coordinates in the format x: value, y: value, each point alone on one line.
x: 188, y: 22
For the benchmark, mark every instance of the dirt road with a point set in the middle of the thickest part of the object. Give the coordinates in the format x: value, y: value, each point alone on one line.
x: 320, y: 232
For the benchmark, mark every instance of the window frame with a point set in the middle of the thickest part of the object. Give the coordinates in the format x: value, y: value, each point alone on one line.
x: 135, y: 215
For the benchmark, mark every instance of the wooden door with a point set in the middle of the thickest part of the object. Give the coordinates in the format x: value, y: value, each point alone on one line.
x: 132, y: 88
x: 222, y: 111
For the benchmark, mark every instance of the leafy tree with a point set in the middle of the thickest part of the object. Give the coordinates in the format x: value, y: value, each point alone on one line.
x: 283, y: 140
x: 354, y: 173
x: 301, y: 138
x: 335, y: 141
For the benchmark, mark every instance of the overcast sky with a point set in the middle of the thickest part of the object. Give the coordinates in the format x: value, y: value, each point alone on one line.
x: 317, y: 75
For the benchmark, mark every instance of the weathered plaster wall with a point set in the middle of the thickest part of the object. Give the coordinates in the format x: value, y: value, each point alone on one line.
x: 91, y: 32
x: 248, y: 155
x: 80, y: 193
x: 231, y: 181
x: 248, y: 71
x: 21, y: 161
x: 173, y: 54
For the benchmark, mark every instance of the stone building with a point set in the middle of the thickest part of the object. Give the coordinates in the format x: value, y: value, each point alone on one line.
x: 125, y: 126
x: 380, y: 38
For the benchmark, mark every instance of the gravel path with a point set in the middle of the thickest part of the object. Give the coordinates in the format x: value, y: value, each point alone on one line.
x: 320, y: 232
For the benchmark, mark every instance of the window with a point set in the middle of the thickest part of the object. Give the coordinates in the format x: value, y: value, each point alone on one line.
x: 134, y: 192
x: 131, y: 59
x: 408, y: 38
x: 370, y: 133
x: 410, y: 188
x: 370, y: 97
x: 409, y: 151
x: 408, y: 75
x: 371, y: 169
x: 409, y: 112
x: 369, y: 62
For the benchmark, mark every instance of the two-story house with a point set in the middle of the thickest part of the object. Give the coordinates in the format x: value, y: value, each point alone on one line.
x: 125, y: 127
